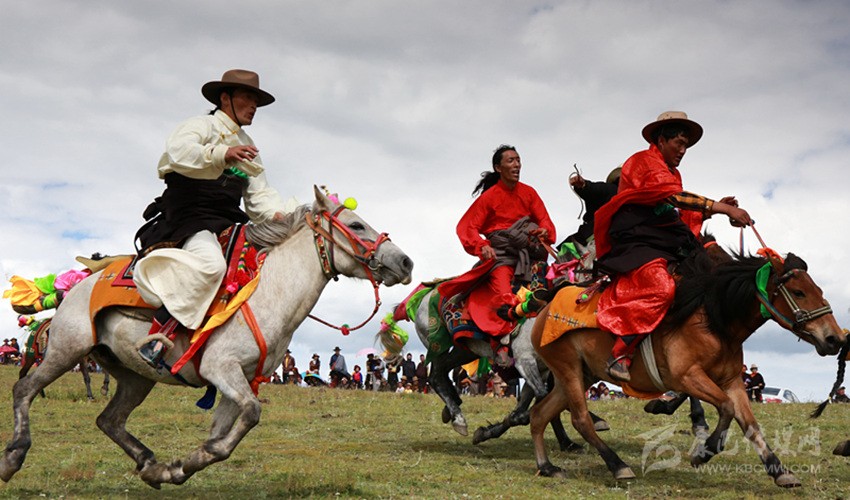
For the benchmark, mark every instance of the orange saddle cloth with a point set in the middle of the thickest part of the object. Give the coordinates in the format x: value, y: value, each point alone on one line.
x: 568, y: 311
x: 114, y: 287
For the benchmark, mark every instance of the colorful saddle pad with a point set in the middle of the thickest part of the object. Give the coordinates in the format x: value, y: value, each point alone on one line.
x: 115, y: 287
x: 569, y: 311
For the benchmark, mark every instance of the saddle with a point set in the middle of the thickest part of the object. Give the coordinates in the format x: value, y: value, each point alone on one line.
x: 115, y: 287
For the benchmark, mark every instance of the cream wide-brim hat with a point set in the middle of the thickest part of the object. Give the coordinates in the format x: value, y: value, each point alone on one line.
x: 693, y: 130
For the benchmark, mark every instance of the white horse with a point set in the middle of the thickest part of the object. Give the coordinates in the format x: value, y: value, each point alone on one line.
x: 292, y: 279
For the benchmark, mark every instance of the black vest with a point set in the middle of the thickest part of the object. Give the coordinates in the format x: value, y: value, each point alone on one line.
x: 191, y: 205
x: 641, y: 233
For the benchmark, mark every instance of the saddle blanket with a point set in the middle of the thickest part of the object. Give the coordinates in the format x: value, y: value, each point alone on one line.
x: 568, y: 311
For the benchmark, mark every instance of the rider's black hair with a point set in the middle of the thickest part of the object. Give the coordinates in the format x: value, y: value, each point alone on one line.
x: 490, y: 178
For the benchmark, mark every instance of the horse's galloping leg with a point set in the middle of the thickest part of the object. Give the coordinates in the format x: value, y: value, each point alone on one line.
x: 23, y: 392
x: 104, y: 389
x: 132, y: 391
x: 599, y: 423
x: 661, y: 407
x: 541, y: 414
x: 575, y: 395
x: 26, y: 365
x: 701, y: 387
x: 84, y: 369
x: 564, y: 441
x: 237, y: 416
x: 519, y: 416
x: 439, y: 380
x: 745, y: 418
x: 699, y: 427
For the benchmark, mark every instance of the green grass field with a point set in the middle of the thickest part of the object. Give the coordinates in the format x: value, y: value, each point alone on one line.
x: 324, y: 443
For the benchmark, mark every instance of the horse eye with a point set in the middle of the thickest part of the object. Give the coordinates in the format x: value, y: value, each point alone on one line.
x: 798, y: 294
x: 356, y: 226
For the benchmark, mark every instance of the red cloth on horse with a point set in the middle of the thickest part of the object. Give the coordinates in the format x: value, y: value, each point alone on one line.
x: 496, y: 209
x: 637, y: 301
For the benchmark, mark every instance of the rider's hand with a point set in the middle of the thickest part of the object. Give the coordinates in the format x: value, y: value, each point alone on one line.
x: 577, y: 181
x: 729, y: 200
x: 738, y: 217
x: 240, y: 153
x: 487, y: 253
x: 538, y: 235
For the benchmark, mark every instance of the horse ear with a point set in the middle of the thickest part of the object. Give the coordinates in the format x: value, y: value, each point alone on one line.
x: 322, y: 204
x: 776, y: 260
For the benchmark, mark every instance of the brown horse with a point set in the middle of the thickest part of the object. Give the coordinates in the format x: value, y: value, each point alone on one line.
x: 698, y: 350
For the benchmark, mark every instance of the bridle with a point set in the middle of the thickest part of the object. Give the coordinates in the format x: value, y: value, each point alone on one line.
x: 801, y: 316
x: 363, y: 251
x: 768, y: 310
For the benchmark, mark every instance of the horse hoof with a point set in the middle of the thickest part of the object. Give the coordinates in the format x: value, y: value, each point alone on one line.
x: 657, y: 407
x: 601, y: 425
x: 446, y: 415
x: 549, y: 470
x: 459, y: 425
x: 699, y: 459
x: 460, y: 429
x: 479, y: 436
x: 153, y: 473
x: 787, y: 480
x: 624, y: 473
x: 843, y: 449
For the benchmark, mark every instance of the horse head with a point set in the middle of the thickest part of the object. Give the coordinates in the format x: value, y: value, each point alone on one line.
x: 349, y: 246
x: 797, y: 303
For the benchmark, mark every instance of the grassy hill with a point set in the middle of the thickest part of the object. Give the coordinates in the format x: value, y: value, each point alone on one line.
x: 325, y: 443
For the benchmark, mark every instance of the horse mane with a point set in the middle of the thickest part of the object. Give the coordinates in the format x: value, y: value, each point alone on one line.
x: 723, y: 290
x: 274, y: 232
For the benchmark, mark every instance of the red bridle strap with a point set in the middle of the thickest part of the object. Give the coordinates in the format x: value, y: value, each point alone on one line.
x: 362, y: 251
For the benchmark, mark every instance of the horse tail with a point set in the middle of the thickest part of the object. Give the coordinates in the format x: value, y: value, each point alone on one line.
x: 842, y: 355
x: 392, y: 337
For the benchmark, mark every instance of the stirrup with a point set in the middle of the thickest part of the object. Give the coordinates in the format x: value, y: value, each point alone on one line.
x: 152, y: 352
x: 618, y: 369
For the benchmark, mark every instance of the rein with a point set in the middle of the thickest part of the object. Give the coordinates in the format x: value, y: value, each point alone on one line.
x: 363, y: 251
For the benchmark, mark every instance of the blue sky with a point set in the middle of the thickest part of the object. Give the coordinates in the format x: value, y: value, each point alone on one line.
x: 400, y: 105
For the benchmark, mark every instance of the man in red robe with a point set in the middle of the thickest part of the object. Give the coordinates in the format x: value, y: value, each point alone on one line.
x: 505, y: 206
x: 650, y: 222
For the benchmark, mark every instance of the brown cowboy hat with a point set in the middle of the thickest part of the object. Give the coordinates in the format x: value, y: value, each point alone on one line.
x: 240, y: 79
x: 693, y: 130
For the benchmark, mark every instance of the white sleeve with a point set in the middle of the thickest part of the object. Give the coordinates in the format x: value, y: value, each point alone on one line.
x: 190, y: 151
x: 261, y: 200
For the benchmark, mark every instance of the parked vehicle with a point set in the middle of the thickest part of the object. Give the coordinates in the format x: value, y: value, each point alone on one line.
x: 778, y: 395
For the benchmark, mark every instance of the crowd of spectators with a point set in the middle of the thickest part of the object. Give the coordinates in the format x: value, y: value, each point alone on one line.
x: 601, y: 392
x: 10, y: 352
x: 396, y: 374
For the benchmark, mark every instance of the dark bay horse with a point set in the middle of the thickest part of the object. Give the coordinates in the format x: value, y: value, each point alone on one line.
x: 698, y: 350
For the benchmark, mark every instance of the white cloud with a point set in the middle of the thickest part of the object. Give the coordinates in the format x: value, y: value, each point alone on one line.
x: 401, y: 104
